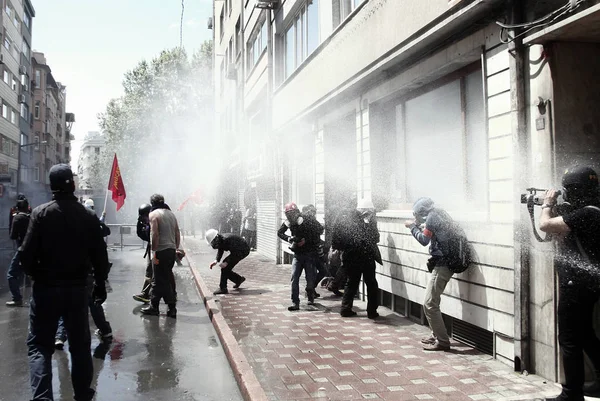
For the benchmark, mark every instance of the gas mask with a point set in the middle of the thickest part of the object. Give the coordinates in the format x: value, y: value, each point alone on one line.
x: 366, y: 214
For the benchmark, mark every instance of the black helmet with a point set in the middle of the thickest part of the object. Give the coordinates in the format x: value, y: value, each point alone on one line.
x: 144, y: 209
x: 580, y: 184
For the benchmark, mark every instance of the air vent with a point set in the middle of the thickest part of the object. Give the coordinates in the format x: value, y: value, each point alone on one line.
x: 473, y: 336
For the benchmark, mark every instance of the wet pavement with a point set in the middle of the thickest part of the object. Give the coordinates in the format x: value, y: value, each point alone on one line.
x: 151, y: 358
x: 316, y: 354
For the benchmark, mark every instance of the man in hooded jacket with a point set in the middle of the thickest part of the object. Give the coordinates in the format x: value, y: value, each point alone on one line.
x: 61, y: 241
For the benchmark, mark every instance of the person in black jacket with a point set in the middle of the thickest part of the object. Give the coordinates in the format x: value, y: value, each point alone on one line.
x: 238, y: 249
x: 18, y: 229
x: 62, y: 240
x: 143, y: 232
x: 305, y: 240
x: 358, y: 236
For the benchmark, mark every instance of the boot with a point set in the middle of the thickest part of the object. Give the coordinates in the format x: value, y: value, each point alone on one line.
x: 172, y: 311
x: 150, y: 310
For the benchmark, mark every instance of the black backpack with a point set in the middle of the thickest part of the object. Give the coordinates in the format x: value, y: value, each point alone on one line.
x: 458, y: 253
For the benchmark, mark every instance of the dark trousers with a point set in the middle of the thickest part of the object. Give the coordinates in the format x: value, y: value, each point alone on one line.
x: 47, y: 305
x: 339, y: 280
x: 148, y: 279
x: 227, y: 273
x: 321, y: 271
x: 576, y: 333
x: 162, y: 281
x: 15, y: 278
x: 250, y: 236
x: 357, y: 267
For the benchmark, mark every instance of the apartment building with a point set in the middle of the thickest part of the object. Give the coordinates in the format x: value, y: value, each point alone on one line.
x: 50, y: 129
x: 392, y: 100
x: 16, y: 20
x: 89, y: 153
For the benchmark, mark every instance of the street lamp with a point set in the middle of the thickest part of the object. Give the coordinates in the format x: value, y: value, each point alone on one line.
x: 19, y: 160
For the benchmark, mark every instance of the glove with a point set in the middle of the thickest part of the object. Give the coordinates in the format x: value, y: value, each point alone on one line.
x: 291, y: 240
x: 99, y: 293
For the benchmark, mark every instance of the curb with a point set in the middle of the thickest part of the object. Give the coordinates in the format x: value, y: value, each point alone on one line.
x: 244, y: 374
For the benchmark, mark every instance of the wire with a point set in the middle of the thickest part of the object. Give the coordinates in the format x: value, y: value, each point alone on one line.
x: 540, y: 23
x: 181, y: 24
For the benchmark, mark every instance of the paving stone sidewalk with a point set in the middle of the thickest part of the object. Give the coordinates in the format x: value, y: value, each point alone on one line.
x: 316, y: 354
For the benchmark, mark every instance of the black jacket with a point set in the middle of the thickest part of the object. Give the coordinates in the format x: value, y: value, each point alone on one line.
x: 306, y: 228
x: 234, y: 244
x: 19, y: 226
x: 356, y: 238
x: 63, y: 241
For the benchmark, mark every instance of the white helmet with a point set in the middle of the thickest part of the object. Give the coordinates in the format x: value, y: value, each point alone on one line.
x: 89, y: 203
x: 210, y: 235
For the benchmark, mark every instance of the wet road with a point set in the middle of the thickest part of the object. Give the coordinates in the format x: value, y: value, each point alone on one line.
x: 151, y: 358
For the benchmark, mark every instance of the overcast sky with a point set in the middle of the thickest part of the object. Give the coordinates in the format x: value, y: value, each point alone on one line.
x: 90, y: 44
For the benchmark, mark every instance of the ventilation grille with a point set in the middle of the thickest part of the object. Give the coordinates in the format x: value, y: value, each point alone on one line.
x: 473, y: 336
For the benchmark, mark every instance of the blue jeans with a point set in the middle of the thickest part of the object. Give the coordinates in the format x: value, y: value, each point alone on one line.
x: 306, y: 262
x: 47, y: 305
x: 15, y: 278
x: 97, y: 312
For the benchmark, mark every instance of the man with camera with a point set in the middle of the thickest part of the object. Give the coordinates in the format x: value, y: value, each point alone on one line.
x: 575, y: 224
x: 305, y: 239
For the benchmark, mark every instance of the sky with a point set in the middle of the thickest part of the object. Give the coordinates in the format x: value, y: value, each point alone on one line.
x: 90, y: 44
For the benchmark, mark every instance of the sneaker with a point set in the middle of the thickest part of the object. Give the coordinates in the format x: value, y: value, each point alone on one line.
x: 592, y: 389
x: 150, y: 310
x: 172, y: 312
x: 59, y: 344
x: 221, y: 291
x: 141, y: 297
x: 436, y: 347
x: 373, y: 315
x: 14, y: 303
x: 240, y: 283
x: 294, y: 307
x: 428, y: 340
x: 103, y: 337
x: 348, y: 313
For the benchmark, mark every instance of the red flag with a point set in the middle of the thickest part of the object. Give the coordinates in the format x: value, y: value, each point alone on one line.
x: 116, y: 186
x: 196, y: 197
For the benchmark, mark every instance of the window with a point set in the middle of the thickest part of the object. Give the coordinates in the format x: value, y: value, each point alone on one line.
x: 257, y: 46
x: 342, y: 9
x: 13, y: 116
x: 222, y: 23
x: 27, y: 20
x: 38, y: 79
x: 36, y: 110
x: 15, y: 84
x: 97, y: 150
x: 26, y: 49
x: 23, y: 139
x: 453, y: 135
x: 25, y: 111
x: 302, y: 37
x: 6, y: 76
x: 36, y: 173
x: 7, y: 41
x: 9, y: 10
x: 5, y: 112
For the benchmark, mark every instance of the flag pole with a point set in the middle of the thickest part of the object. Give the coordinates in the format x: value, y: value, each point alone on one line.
x: 105, y: 201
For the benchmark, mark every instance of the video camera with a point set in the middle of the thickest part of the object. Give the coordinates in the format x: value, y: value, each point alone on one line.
x: 534, y: 197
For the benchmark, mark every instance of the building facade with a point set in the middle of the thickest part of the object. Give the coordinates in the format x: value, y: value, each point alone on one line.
x: 89, y: 154
x: 393, y: 100
x: 50, y: 137
x: 16, y: 20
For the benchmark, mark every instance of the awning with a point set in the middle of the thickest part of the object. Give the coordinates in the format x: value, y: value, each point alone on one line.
x: 583, y: 26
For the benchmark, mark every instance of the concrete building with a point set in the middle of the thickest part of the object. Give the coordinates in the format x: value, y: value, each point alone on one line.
x: 51, y: 137
x: 394, y: 100
x: 16, y: 18
x: 89, y: 155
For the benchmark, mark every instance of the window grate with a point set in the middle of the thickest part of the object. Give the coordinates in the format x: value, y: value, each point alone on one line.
x: 473, y: 336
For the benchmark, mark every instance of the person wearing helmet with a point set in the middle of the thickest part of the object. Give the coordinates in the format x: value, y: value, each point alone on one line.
x: 578, y: 265
x: 358, y: 236
x: 437, y: 227
x: 164, y: 241
x: 238, y: 249
x: 143, y: 232
x: 305, y: 239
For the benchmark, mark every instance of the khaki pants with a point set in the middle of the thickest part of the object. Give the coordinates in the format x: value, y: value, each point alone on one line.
x: 433, y: 294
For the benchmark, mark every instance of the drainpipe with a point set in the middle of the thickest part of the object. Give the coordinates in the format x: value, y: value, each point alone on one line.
x: 269, y: 128
x: 522, y: 236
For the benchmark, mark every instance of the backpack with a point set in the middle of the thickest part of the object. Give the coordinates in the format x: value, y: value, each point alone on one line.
x: 457, y: 251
